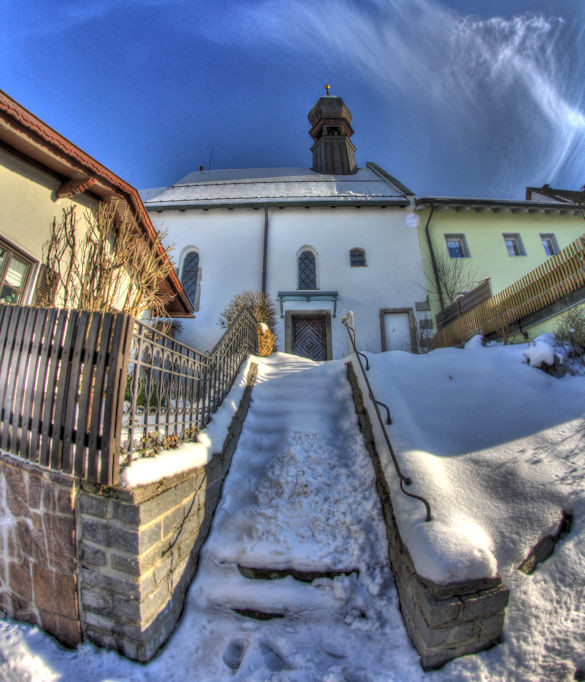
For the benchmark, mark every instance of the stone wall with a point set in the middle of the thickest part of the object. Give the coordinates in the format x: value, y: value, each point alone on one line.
x: 443, y: 621
x: 38, y: 548
x: 139, y: 548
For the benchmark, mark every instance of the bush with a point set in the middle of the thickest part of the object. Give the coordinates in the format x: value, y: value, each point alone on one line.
x: 256, y: 302
x: 570, y: 331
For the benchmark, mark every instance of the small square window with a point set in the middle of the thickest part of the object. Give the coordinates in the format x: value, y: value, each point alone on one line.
x: 457, y: 246
x: 550, y: 244
x: 357, y: 258
x: 15, y: 271
x: 514, y: 245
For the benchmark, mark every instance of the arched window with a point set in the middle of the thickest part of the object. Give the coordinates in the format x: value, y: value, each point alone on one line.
x: 307, y: 270
x: 357, y: 258
x: 191, y: 278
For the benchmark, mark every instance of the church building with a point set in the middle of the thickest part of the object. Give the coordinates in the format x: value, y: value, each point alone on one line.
x: 319, y: 241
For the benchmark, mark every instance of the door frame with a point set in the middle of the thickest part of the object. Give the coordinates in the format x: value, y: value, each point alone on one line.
x: 411, y: 324
x: 288, y: 328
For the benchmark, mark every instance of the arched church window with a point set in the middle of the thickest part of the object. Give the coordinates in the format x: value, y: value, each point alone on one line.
x: 357, y: 258
x: 191, y: 278
x: 307, y: 270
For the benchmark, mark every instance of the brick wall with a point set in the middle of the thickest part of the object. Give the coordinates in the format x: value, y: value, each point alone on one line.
x: 38, y: 548
x: 139, y: 548
x: 443, y: 621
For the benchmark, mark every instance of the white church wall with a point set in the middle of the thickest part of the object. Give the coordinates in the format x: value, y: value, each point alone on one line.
x: 391, y: 279
x: 230, y: 245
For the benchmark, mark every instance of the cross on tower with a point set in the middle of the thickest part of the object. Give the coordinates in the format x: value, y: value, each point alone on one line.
x: 327, y: 88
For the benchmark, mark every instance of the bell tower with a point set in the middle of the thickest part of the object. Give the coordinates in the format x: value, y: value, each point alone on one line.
x: 333, y: 151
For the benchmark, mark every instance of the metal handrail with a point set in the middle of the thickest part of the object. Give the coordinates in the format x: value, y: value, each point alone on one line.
x: 404, y: 480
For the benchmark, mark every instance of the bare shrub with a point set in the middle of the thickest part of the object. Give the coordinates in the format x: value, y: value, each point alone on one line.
x: 260, y: 305
x: 570, y: 331
x: 112, y: 266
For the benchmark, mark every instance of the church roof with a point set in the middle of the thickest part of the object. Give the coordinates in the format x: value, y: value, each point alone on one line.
x: 280, y: 186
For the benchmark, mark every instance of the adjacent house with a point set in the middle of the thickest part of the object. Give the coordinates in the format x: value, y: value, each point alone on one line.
x: 42, y: 173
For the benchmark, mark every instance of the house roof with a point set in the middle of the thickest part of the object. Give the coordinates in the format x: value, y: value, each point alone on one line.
x: 25, y: 135
x: 496, y: 205
x: 277, y: 186
x: 561, y: 195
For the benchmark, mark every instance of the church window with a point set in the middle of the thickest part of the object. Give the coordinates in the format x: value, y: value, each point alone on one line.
x: 307, y: 270
x: 357, y: 258
x: 191, y: 278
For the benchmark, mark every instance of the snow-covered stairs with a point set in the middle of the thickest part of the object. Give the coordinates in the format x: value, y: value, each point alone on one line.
x: 299, y: 531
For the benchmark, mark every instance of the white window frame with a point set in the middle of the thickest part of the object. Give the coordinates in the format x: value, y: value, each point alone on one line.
x: 549, y: 236
x: 462, y: 242
x: 31, y: 264
x: 516, y: 239
x: 362, y: 252
x: 304, y: 248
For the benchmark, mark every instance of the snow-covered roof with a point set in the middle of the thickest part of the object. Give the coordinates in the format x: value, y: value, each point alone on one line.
x: 253, y: 186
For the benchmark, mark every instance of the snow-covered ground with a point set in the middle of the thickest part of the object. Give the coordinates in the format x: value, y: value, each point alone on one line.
x: 497, y: 446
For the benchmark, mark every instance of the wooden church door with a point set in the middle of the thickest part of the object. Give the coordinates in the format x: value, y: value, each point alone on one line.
x: 309, y: 337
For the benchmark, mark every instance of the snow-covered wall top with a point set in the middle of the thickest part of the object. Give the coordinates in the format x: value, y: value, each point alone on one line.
x: 266, y: 185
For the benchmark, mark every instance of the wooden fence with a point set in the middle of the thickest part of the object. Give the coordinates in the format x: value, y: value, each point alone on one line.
x: 464, y: 304
x: 62, y: 377
x: 78, y: 388
x: 557, y: 277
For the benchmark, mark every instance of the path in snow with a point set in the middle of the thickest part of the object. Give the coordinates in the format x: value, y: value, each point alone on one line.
x: 300, y: 496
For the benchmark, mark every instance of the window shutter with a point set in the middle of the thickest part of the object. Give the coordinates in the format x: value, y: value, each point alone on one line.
x: 42, y: 291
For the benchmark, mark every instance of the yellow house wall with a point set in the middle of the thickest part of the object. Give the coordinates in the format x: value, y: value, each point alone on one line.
x: 484, y: 235
x: 27, y: 208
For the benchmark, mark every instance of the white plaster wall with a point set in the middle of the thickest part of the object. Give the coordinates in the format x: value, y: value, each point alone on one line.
x: 392, y: 279
x: 230, y: 245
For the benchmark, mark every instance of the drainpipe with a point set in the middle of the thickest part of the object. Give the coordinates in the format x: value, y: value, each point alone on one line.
x: 433, y: 260
x: 265, y: 251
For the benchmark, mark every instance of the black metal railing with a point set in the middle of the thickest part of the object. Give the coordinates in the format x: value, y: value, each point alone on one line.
x: 172, y: 389
x: 404, y: 480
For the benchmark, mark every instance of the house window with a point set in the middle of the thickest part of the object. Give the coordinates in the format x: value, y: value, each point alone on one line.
x: 15, y: 270
x: 550, y: 244
x: 191, y: 278
x: 307, y: 270
x: 357, y: 258
x: 514, y: 245
x: 457, y: 246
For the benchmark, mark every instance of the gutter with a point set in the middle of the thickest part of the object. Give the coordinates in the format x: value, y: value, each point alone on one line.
x: 433, y: 259
x: 265, y: 251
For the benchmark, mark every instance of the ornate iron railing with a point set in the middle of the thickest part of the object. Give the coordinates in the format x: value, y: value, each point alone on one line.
x: 172, y: 389
x: 404, y: 480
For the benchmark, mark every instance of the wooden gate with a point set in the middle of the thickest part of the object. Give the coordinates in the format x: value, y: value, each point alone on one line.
x: 309, y: 337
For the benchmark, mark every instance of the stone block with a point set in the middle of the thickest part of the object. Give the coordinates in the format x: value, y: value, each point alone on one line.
x: 100, y: 601
x: 485, y: 603
x: 34, y: 491
x: 93, y: 505
x: 16, y: 498
x: 49, y: 495
x: 173, y: 520
x: 60, y: 537
x: 155, y: 603
x: 31, y: 541
x: 20, y: 580
x: 125, y: 586
x: 491, y: 628
x: 128, y: 514
x: 44, y: 588
x: 437, y: 612
x: 127, y: 610
x: 90, y: 555
x: 66, y: 595
x: 65, y: 501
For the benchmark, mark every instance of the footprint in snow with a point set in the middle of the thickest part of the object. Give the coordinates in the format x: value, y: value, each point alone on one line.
x: 274, y: 660
x: 234, y: 653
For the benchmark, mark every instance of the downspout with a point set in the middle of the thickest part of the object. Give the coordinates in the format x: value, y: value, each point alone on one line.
x: 265, y: 251
x: 433, y: 260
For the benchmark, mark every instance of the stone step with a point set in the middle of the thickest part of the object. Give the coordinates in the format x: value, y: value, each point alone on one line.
x: 303, y: 576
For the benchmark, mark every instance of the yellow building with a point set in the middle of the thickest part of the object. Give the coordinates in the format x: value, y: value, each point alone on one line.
x: 42, y: 173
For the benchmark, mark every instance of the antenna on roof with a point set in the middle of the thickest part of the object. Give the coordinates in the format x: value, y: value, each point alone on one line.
x: 210, y: 159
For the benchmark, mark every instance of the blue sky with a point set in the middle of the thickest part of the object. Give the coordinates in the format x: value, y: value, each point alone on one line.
x: 453, y: 97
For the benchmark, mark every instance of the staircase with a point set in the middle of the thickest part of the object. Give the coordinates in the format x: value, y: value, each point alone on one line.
x: 298, y: 536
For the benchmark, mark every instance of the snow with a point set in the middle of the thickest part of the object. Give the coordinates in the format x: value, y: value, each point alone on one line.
x: 496, y: 445
x: 268, y: 184
x: 540, y: 352
x: 190, y: 455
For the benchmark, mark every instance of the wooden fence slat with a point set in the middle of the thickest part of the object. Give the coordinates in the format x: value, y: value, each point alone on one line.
x: 46, y: 337
x: 49, y: 400
x: 96, y: 404
x: 7, y: 328
x: 59, y: 416
x: 71, y: 396
x: 16, y: 332
x: 85, y: 394
x: 22, y: 366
